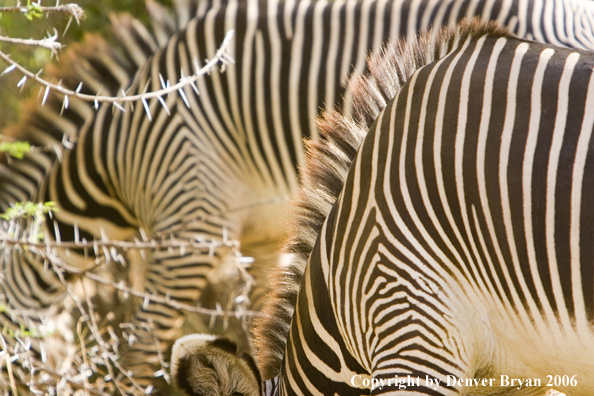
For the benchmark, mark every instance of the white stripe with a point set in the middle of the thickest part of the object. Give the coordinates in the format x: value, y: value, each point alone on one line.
x: 480, y: 174
x: 537, y: 12
x: 359, y: 347
x: 531, y: 141
x: 276, y: 64
x: 262, y: 120
x: 295, y: 78
x: 556, y: 144
x: 318, y: 39
x: 506, y: 205
x: 395, y: 20
x: 289, y: 10
x: 251, y: 128
x: 584, y: 327
x: 506, y: 137
x: 420, y: 176
x: 332, y: 57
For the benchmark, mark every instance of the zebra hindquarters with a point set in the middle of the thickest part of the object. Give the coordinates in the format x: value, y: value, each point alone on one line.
x: 458, y: 257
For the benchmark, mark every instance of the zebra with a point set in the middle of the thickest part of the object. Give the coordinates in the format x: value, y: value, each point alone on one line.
x: 239, y: 141
x: 455, y: 254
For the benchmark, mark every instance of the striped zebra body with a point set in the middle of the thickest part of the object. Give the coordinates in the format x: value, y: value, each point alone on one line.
x: 459, y: 247
x: 238, y: 143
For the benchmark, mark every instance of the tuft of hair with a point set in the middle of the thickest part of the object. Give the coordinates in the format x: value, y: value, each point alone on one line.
x: 328, y: 162
x: 205, y: 365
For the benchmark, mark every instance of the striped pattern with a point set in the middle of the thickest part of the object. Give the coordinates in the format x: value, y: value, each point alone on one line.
x: 461, y: 242
x: 237, y: 144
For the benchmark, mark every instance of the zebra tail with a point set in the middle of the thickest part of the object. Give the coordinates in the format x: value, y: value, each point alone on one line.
x: 327, y: 164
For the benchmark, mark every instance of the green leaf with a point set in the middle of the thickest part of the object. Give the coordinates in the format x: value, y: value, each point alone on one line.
x: 15, y: 149
x: 33, y: 11
x: 24, y: 209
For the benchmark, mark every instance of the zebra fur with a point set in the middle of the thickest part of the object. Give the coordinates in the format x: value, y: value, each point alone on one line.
x: 326, y: 167
x: 391, y: 288
x: 287, y: 20
x: 421, y: 310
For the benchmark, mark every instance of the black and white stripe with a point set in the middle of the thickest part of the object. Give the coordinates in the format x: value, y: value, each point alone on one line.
x: 240, y: 140
x: 460, y: 243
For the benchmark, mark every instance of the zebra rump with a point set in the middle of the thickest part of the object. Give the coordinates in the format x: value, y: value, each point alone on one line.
x: 459, y: 249
x: 323, y: 345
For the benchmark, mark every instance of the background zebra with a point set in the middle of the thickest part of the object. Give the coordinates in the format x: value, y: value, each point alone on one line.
x: 459, y: 246
x: 239, y: 141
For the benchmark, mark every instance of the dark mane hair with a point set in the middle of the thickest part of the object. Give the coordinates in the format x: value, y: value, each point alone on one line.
x: 327, y: 164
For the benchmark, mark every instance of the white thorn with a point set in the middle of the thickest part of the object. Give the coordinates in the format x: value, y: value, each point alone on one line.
x: 184, y: 98
x: 45, y: 95
x: 164, y: 105
x: 146, y: 86
x: 119, y: 106
x: 146, y: 108
x: 195, y: 88
x: 22, y: 82
x: 9, y: 69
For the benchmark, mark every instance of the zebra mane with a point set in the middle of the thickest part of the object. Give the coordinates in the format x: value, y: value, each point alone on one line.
x: 328, y: 162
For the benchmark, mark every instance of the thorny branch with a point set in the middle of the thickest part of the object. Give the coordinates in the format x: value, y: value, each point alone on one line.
x: 73, y: 10
x: 221, y: 56
x: 11, y: 353
x: 60, y: 265
x: 49, y: 42
x: 46, y: 250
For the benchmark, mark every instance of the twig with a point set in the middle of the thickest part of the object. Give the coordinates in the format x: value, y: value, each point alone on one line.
x: 6, y: 241
x: 8, y: 365
x: 94, y: 329
x: 150, y: 328
x: 85, y: 316
x: 71, y: 9
x: 40, y: 366
x: 220, y: 57
x: 50, y: 43
x: 84, y: 353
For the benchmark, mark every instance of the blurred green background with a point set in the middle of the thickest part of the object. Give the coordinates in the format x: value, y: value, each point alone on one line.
x: 16, y: 25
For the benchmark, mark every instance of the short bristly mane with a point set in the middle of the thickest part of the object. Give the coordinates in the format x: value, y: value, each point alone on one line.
x: 327, y: 164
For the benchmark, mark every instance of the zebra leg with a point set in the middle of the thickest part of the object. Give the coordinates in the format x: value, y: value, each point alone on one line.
x: 423, y: 337
x: 428, y: 339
